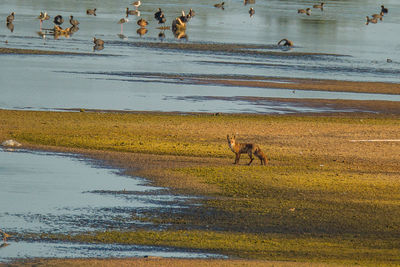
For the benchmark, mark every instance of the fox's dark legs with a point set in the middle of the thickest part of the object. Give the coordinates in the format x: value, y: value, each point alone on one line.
x: 251, y: 158
x: 237, y: 158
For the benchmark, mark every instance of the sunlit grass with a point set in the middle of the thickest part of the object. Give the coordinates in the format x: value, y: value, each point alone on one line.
x: 320, y: 198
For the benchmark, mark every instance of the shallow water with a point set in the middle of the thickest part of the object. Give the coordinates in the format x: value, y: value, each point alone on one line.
x: 54, y: 82
x: 44, y: 192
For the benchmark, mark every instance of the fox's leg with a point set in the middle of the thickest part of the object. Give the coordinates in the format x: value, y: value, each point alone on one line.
x: 237, y: 158
x: 251, y: 158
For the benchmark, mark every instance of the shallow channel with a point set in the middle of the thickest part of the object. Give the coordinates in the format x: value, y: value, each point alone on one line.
x: 47, y: 192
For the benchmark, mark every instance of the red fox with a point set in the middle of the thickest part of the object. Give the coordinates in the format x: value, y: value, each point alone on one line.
x: 246, y: 148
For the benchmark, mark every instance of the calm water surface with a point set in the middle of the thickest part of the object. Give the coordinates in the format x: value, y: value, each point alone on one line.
x: 62, y: 193
x: 54, y: 82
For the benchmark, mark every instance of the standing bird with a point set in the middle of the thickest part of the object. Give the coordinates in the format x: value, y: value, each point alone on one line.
x: 132, y: 12
x: 320, y: 6
x: 142, y: 23
x: 372, y: 20
x: 158, y: 14
x: 220, y: 5
x: 11, y: 17
x: 122, y: 21
x: 251, y: 12
x: 58, y: 20
x: 91, y: 11
x: 378, y: 16
x: 162, y: 19
x: 42, y: 17
x: 136, y: 4
x: 306, y: 11
x: 384, y: 9
x: 183, y: 17
x: 73, y: 21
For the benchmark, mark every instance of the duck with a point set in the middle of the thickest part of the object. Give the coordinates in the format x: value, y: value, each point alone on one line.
x: 132, y: 12
x: 73, y: 21
x: 372, y: 20
x: 162, y: 19
x: 320, y: 6
x: 98, y: 42
x: 251, y: 11
x: 142, y: 23
x: 178, y: 25
x: 220, y: 5
x: 378, y: 16
x: 285, y: 42
x: 158, y: 14
x: 136, y: 4
x: 91, y: 11
x: 58, y: 20
x: 384, y: 9
x: 11, y: 17
x: 306, y: 11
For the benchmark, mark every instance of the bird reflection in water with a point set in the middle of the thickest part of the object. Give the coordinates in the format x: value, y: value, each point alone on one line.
x: 10, y: 26
x: 141, y: 31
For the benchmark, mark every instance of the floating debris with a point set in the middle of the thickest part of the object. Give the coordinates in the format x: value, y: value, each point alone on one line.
x: 11, y: 143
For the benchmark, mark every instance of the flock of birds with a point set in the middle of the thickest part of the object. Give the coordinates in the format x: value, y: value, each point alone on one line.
x: 379, y: 16
x: 178, y: 25
x: 374, y: 17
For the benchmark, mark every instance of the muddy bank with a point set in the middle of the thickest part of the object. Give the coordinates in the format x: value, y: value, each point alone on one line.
x: 265, y: 82
x: 304, y: 84
x: 244, y: 49
x: 326, y: 106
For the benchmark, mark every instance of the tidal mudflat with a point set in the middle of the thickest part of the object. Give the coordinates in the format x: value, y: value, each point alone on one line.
x: 325, y: 184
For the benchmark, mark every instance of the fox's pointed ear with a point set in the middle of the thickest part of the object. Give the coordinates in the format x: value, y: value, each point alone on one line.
x: 227, y: 136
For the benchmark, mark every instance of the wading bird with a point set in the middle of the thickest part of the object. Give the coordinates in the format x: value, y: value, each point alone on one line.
x: 251, y: 11
x: 136, y: 4
x: 320, y: 6
x: 43, y: 16
x: 11, y: 17
x: 122, y: 21
x: 306, y: 11
x: 73, y: 21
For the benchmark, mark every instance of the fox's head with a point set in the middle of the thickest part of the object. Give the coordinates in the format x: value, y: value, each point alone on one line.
x: 231, y: 140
